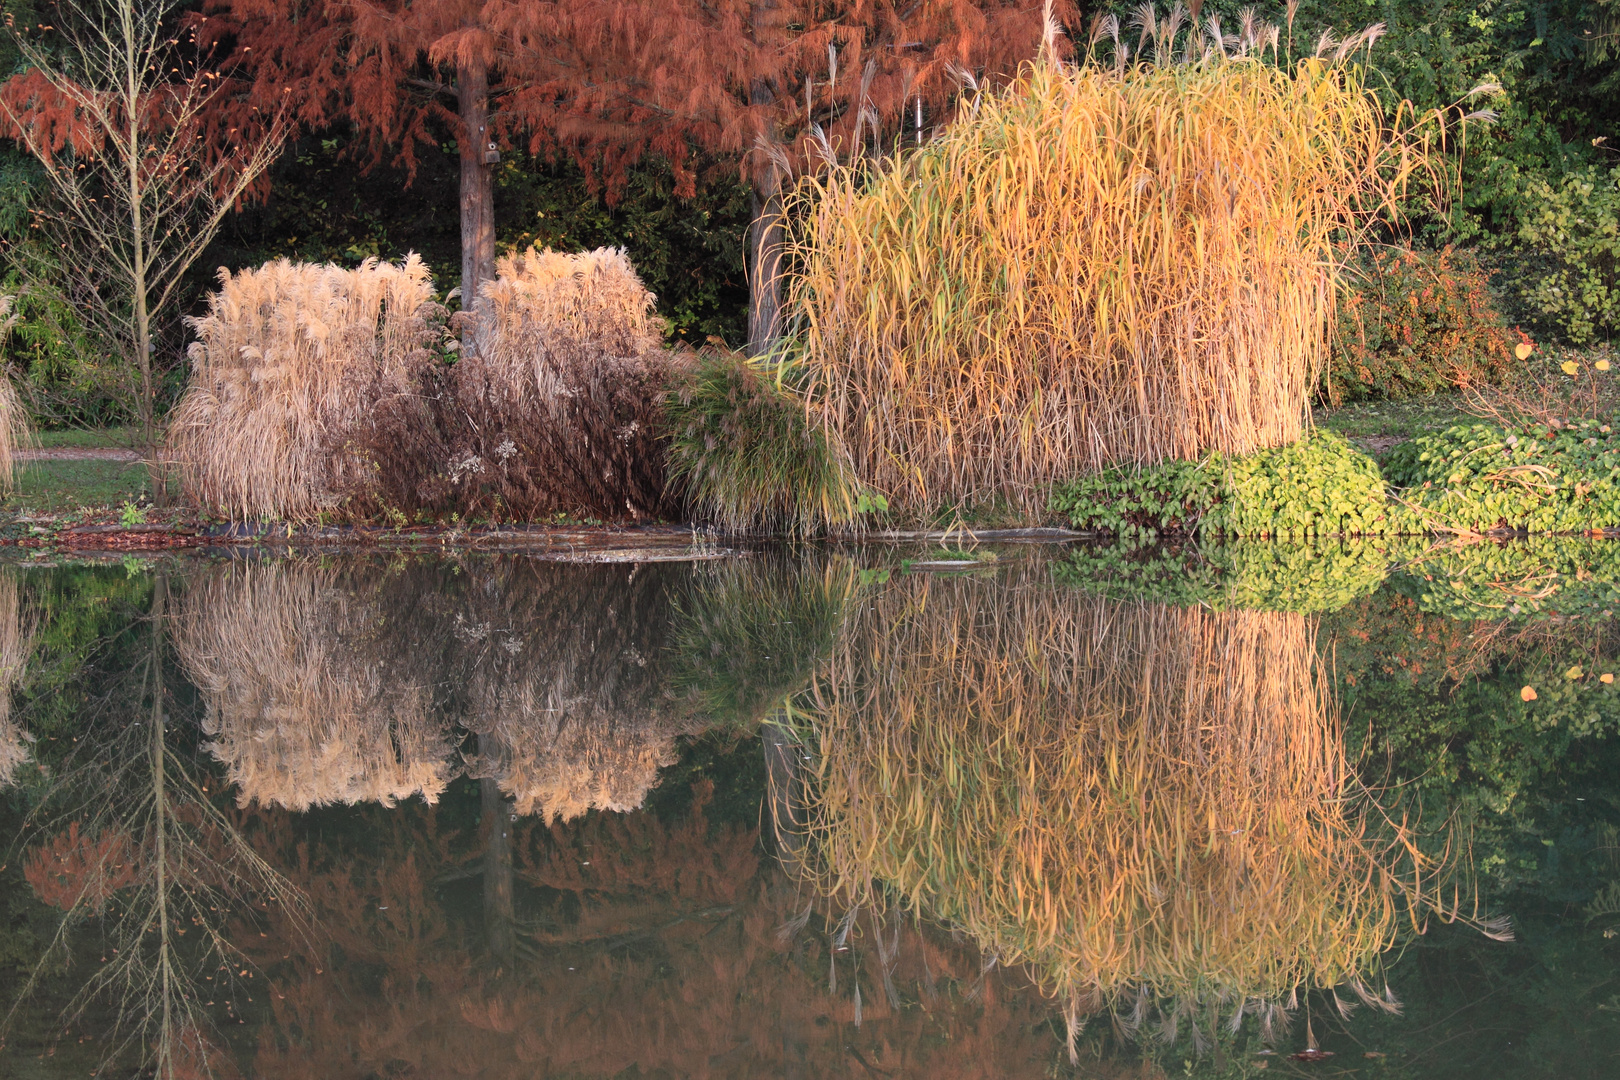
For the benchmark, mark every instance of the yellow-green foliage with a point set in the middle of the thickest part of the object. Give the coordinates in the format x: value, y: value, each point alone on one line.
x: 1092, y: 266
x: 1128, y: 797
x: 285, y: 362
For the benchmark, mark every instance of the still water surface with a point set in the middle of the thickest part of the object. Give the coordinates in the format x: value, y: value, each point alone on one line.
x: 1019, y: 811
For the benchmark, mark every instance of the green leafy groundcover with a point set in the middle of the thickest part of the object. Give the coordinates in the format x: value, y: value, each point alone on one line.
x: 1469, y: 479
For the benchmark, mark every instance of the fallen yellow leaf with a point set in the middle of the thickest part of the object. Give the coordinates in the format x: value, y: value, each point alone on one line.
x: 1570, y: 367
x: 1607, y: 676
x: 1527, y: 694
x: 1574, y: 672
x: 1602, y: 365
x: 1523, y: 349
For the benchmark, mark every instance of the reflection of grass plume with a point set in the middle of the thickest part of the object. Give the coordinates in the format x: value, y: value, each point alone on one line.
x: 15, y: 643
x: 307, y: 706
x: 1131, y: 798
x: 563, y: 673
x: 280, y: 362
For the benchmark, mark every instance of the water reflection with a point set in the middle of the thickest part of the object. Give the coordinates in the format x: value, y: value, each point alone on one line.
x: 1148, y: 805
x: 353, y: 817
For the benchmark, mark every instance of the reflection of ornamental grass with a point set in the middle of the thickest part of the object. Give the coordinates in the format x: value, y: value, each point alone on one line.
x: 284, y: 361
x: 563, y: 671
x: 308, y: 704
x: 1089, y: 267
x: 1130, y: 798
x: 15, y: 644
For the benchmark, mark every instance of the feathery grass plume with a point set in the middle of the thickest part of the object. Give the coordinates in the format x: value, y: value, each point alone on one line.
x: 565, y: 676
x: 743, y: 447
x: 16, y: 642
x: 14, y: 430
x: 1095, y: 265
x: 557, y: 408
x: 313, y: 697
x: 289, y: 362
x: 1133, y: 800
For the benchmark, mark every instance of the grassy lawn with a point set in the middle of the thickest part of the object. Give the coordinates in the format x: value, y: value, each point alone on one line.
x: 1400, y: 420
x: 63, y: 487
x: 119, y: 438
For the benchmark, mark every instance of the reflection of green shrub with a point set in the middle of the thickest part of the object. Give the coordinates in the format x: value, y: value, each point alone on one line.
x: 753, y: 636
x: 1318, y: 486
x: 1237, y: 575
x: 1414, y: 323
x: 1520, y: 580
x: 740, y: 440
x: 1477, y: 477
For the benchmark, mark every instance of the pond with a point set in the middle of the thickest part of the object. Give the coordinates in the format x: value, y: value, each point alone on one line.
x: 1009, y: 810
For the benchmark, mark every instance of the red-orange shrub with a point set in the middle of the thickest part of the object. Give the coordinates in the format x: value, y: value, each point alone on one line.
x: 1416, y: 322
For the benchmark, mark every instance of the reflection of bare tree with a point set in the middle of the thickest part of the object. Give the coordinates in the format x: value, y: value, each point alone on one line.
x: 1148, y: 805
x: 14, y: 647
x: 145, y: 848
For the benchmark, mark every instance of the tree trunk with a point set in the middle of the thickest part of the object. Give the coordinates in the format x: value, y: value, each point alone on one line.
x: 477, y: 187
x: 766, y: 236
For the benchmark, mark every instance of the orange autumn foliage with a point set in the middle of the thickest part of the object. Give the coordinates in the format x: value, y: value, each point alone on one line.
x: 76, y: 868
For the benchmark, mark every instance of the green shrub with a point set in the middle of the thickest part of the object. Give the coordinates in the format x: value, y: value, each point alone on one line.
x: 740, y: 443
x: 1566, y: 271
x: 1414, y: 323
x: 1139, y: 501
x: 1318, y: 486
x: 1479, y: 477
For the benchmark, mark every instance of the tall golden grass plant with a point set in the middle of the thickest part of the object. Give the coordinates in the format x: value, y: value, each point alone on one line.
x: 1097, y: 264
x: 1149, y: 806
x: 286, y: 366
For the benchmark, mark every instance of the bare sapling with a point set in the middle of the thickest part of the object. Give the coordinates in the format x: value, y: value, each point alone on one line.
x: 115, y: 102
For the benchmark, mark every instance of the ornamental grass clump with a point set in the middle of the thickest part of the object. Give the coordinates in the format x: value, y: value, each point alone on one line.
x: 1149, y: 806
x: 747, y: 456
x: 556, y: 408
x: 287, y: 364
x: 1093, y: 266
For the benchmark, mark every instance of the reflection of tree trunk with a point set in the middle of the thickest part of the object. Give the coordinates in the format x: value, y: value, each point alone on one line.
x: 781, y: 770
x: 498, y: 915
x: 160, y: 832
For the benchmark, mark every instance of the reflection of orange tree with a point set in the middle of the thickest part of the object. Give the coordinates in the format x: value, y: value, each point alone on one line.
x: 1147, y: 805
x: 675, y: 949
